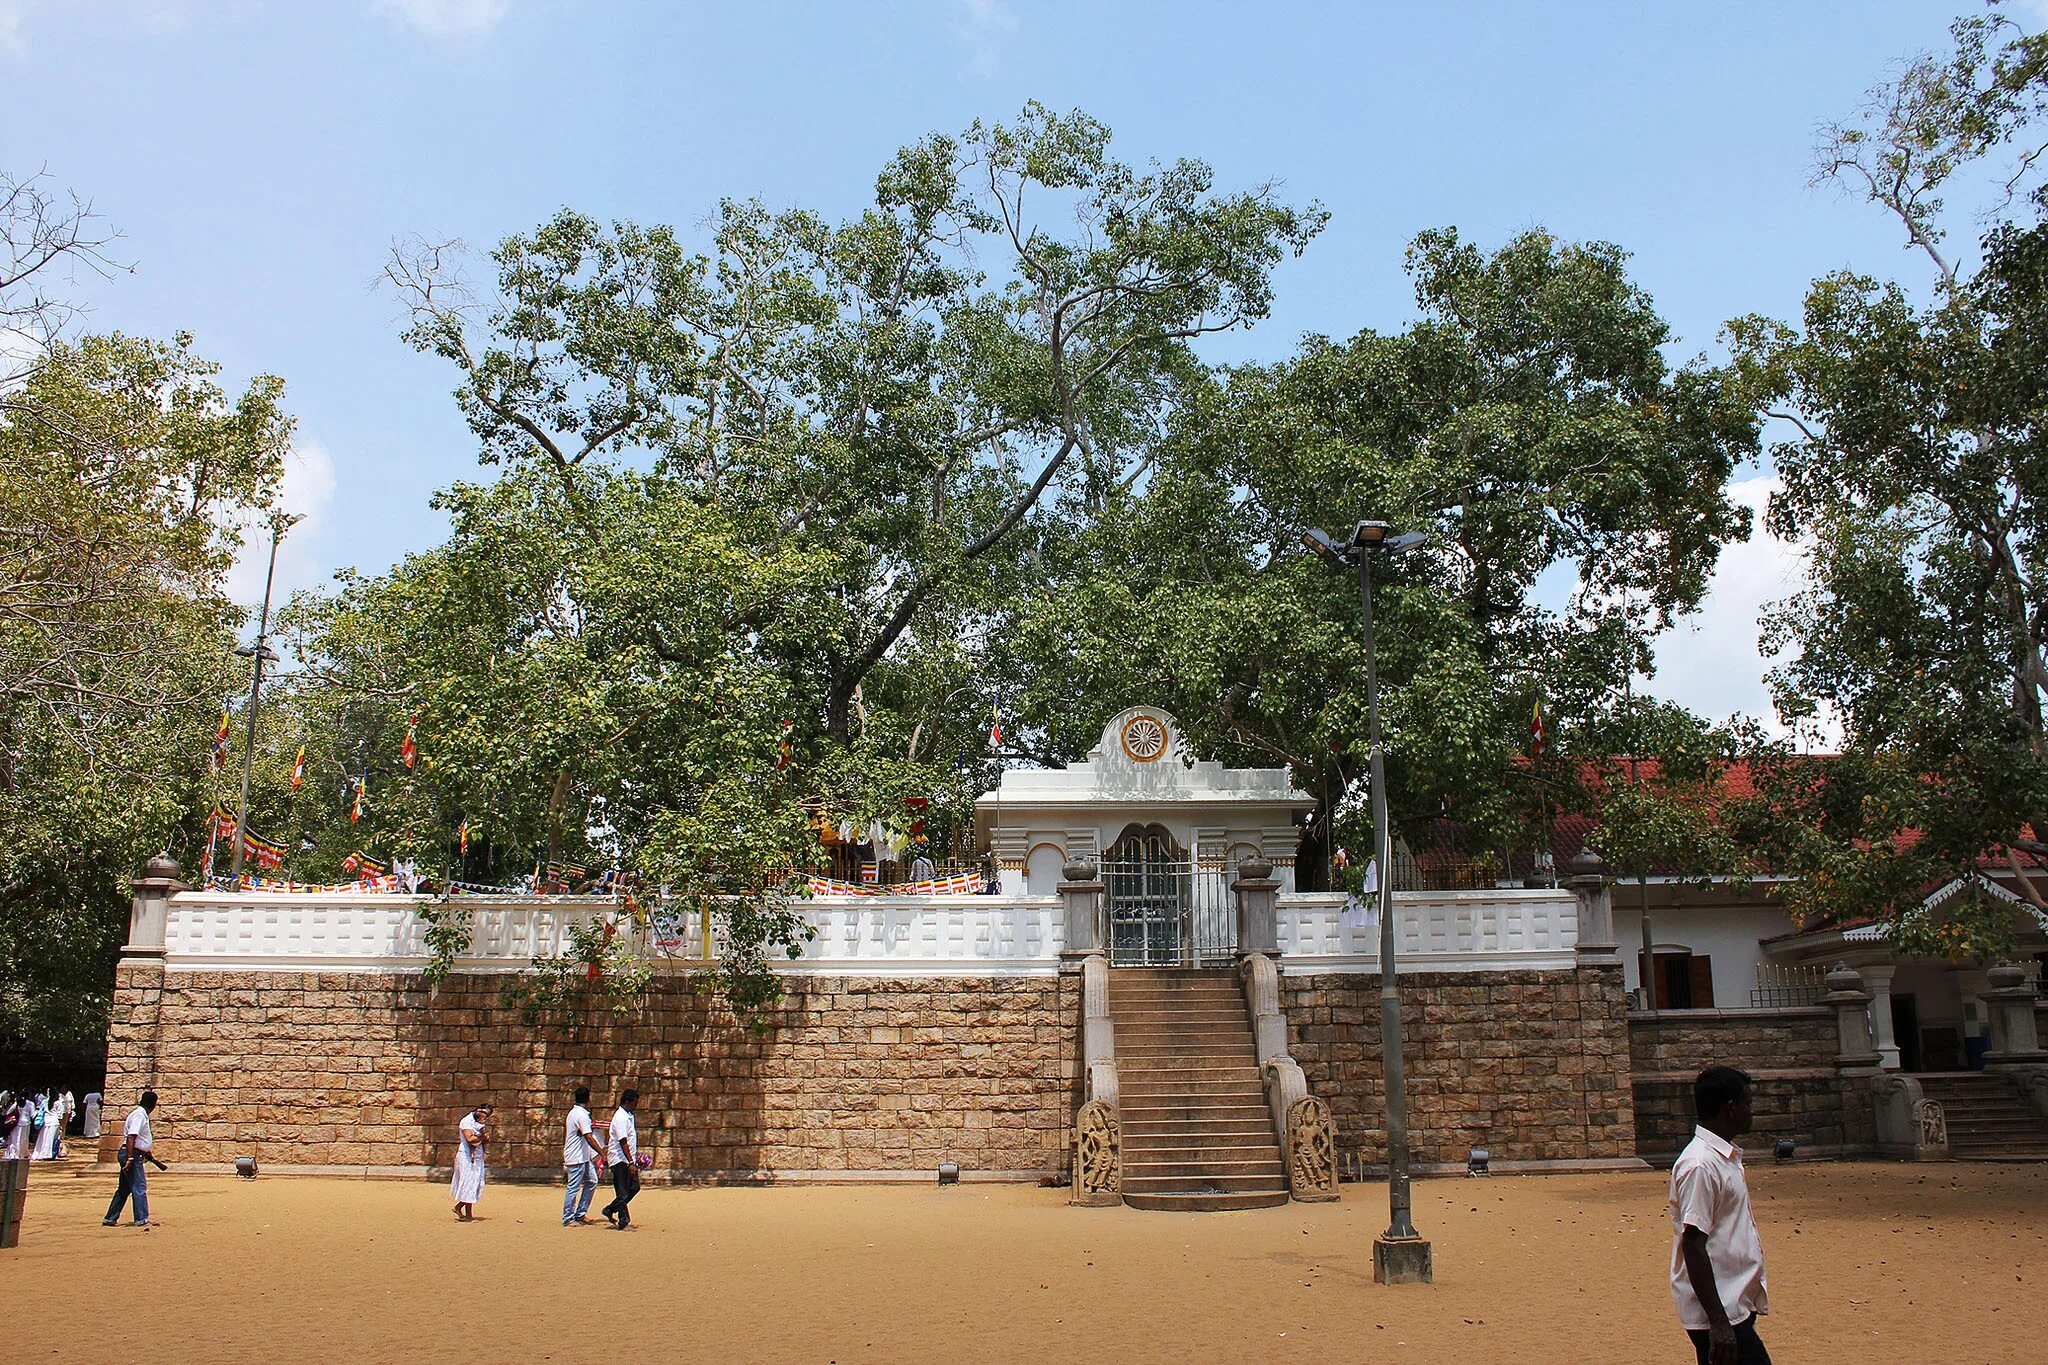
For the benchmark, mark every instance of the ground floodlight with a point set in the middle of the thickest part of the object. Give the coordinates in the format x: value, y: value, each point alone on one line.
x: 245, y: 1167
x: 949, y: 1172
x: 1786, y: 1147
x: 1477, y: 1160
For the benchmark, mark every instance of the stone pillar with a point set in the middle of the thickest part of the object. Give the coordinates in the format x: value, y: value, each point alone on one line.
x: 1257, y: 895
x: 149, y: 911
x: 136, y: 1020
x: 1879, y: 980
x: 1588, y: 881
x: 2015, y: 1036
x: 1081, y: 894
x: 1852, y: 1021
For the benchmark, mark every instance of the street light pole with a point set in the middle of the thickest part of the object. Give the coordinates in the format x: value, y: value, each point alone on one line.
x: 259, y: 652
x: 1400, y: 1255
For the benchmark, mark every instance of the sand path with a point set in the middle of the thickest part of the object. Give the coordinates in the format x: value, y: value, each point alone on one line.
x: 1885, y: 1262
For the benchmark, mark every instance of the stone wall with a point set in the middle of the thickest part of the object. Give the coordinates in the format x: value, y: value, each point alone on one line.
x: 1788, y: 1053
x: 1531, y: 1065
x: 853, y: 1076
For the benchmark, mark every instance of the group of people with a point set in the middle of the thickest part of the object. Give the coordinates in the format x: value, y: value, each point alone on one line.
x: 584, y: 1150
x: 33, y: 1123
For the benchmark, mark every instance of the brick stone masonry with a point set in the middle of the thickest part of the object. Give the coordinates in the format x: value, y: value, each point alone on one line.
x: 1788, y: 1053
x: 1531, y: 1065
x: 367, y: 1071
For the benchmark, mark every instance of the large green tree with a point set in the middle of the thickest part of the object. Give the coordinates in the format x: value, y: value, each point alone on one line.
x: 1529, y: 422
x: 1913, y: 470
x: 795, y: 479
x: 123, y: 470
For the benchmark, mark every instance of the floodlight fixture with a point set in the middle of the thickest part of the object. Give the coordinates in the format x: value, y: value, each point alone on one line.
x: 1477, y: 1160
x: 949, y: 1173
x: 1332, y: 553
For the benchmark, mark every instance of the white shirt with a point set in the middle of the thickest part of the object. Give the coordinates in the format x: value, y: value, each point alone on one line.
x: 623, y: 1130
x: 575, y: 1151
x: 1708, y: 1192
x: 137, y: 1127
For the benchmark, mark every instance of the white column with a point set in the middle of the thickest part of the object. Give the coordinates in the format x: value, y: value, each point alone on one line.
x: 1878, y: 981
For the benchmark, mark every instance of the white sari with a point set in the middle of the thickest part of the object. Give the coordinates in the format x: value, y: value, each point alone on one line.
x: 46, y: 1140
x: 469, y: 1161
x: 92, y: 1114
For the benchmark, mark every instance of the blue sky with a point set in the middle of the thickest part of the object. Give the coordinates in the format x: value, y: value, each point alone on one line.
x: 259, y: 159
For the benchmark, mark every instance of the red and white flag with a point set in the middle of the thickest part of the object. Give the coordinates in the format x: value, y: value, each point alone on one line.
x: 995, y: 727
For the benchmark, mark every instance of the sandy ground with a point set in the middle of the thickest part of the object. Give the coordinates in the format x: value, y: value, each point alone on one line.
x: 1880, y: 1262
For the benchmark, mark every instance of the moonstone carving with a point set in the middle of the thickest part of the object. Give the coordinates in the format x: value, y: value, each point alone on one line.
x: 1098, y: 1154
x: 1311, y: 1149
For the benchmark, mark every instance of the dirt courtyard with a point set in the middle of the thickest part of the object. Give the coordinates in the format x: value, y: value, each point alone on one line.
x: 1883, y: 1262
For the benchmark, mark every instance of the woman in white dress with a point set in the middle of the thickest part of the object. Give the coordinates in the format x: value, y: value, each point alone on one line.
x: 91, y: 1104
x: 21, y: 1112
x: 472, y: 1136
x: 46, y: 1136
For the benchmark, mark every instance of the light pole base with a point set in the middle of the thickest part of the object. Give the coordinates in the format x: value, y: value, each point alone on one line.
x: 1402, y: 1260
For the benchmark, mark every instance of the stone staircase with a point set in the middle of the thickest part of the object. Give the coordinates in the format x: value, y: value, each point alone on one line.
x: 1197, y: 1134
x: 1988, y: 1120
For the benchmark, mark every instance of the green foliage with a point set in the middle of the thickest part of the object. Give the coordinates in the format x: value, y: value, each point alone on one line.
x: 1530, y: 424
x: 450, y: 926
x: 123, y: 469
x: 1913, y: 471
x: 600, y: 968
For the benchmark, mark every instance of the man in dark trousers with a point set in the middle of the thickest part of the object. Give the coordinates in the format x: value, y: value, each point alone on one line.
x: 138, y: 1145
x: 622, y: 1151
x: 1717, y: 1262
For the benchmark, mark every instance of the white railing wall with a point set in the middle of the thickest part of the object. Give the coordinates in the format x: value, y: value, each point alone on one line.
x: 1003, y: 935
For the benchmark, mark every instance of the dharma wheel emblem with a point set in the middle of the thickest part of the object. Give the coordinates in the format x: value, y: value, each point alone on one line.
x: 1144, y: 738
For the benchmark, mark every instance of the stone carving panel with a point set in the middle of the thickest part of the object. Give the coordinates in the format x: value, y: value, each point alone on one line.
x: 1098, y: 1155
x: 1311, y: 1150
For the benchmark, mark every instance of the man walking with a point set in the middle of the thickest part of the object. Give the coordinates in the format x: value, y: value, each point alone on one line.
x: 580, y: 1155
x: 622, y: 1150
x: 137, y: 1147
x: 1717, y: 1262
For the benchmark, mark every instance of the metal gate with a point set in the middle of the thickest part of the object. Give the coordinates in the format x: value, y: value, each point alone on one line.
x: 1166, y: 912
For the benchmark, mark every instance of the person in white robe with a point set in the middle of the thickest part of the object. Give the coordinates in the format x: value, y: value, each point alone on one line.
x: 472, y: 1138
x: 46, y: 1136
x: 20, y: 1112
x: 91, y: 1123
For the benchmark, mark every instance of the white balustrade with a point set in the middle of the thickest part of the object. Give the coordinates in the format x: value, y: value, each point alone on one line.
x: 1437, y: 931
x: 1491, y: 930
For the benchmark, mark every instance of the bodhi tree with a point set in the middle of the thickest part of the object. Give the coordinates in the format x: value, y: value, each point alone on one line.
x: 1529, y: 423
x: 1913, y: 468
x: 793, y: 479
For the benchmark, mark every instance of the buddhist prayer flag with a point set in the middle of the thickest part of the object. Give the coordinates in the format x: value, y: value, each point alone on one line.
x: 410, y: 750
x: 299, y: 769
x: 220, y: 741
x: 1536, y: 731
x: 462, y: 839
x: 783, y: 750
x: 995, y: 727
x: 355, y: 811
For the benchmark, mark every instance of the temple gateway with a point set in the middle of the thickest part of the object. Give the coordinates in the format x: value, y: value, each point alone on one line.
x: 1146, y: 1009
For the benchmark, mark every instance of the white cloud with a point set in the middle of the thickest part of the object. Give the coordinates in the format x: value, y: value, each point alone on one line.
x: 984, y: 26
x: 446, y: 18
x: 308, y: 491
x: 1710, y: 662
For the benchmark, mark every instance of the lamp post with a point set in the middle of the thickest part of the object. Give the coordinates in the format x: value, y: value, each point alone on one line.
x: 259, y: 653
x: 1400, y: 1255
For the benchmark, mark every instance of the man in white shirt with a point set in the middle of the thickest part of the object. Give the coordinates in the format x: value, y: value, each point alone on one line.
x: 580, y: 1154
x: 138, y: 1146
x: 623, y: 1152
x: 1717, y: 1261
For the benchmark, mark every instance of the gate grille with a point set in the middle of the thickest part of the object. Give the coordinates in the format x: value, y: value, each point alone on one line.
x: 1166, y: 912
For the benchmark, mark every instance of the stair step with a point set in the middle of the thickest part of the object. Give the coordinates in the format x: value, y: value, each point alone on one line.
x: 1182, y: 1152
x: 1247, y: 1183
x: 1204, y: 1202
x: 1234, y: 1130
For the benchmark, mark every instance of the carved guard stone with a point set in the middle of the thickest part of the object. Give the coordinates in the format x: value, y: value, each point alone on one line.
x: 1098, y: 1156
x: 1311, y: 1151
